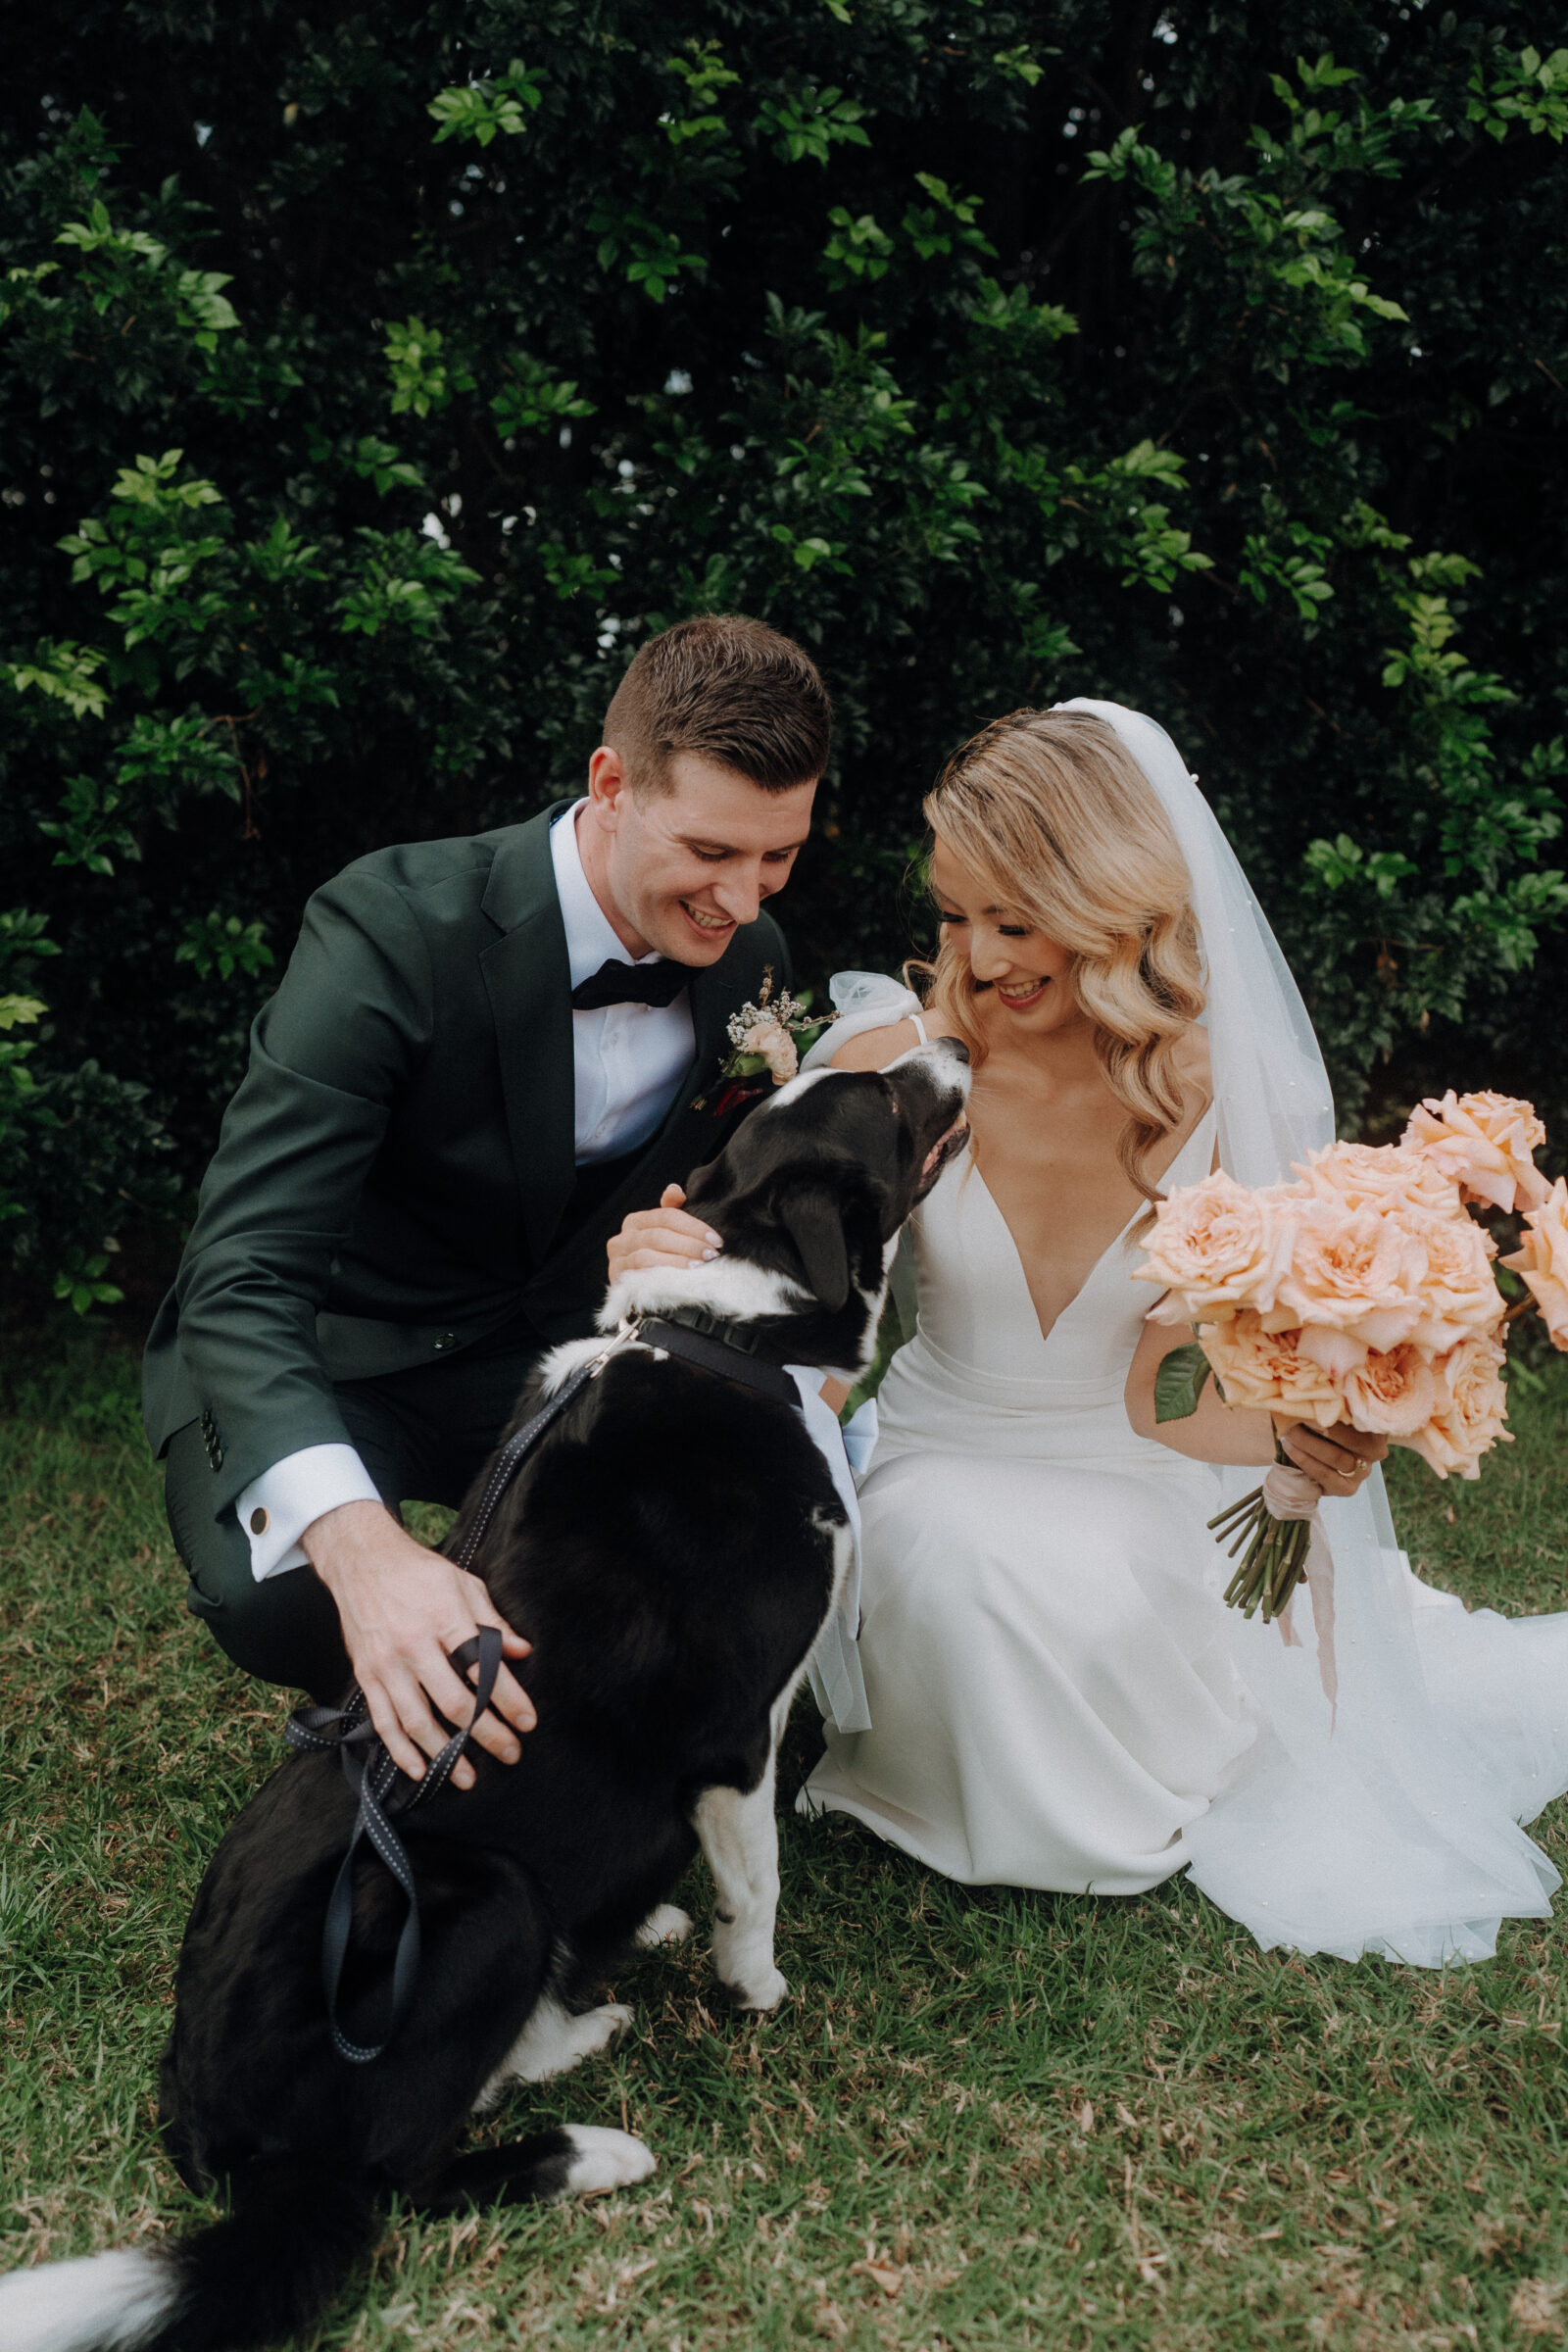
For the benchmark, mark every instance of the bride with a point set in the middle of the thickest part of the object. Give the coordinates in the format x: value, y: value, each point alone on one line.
x: 1051, y: 1698
x: 1054, y: 1694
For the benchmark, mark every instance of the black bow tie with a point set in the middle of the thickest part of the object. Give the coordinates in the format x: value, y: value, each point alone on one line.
x: 617, y: 983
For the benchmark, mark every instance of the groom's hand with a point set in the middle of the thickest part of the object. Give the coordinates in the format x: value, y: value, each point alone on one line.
x: 665, y: 1236
x: 403, y: 1610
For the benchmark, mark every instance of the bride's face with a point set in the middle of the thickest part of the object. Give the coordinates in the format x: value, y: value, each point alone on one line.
x: 1023, y: 973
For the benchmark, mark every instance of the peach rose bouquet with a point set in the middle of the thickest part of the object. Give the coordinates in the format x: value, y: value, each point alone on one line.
x: 1361, y: 1294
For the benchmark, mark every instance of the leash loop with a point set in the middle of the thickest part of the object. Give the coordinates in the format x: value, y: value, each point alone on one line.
x: 373, y: 1776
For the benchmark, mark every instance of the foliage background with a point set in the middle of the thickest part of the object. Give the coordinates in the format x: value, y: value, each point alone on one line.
x: 371, y: 384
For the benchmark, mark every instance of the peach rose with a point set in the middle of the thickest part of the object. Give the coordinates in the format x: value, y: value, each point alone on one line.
x: 1375, y: 1175
x: 1393, y: 1392
x: 1458, y: 1294
x: 777, y: 1047
x: 1218, y: 1245
x: 1487, y: 1143
x: 1355, y: 1273
x: 1267, y: 1371
x: 1472, y: 1409
x: 1542, y: 1260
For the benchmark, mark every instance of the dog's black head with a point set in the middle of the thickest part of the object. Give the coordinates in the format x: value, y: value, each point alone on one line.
x: 810, y: 1195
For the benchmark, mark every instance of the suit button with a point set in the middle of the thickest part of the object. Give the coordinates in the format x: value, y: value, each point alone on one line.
x: 443, y: 1341
x: 260, y: 1520
x: 215, y: 1458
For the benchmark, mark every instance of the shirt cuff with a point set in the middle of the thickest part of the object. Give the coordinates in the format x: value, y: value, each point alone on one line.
x: 277, y: 1508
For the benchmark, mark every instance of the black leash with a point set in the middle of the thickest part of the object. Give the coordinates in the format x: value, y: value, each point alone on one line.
x: 517, y: 1448
x: 696, y: 1338
x: 373, y: 1776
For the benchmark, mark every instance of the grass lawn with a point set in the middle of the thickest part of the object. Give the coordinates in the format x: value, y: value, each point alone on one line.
x: 991, y: 2119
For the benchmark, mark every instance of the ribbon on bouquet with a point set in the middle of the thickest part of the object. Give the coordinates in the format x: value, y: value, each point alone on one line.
x: 1289, y: 1494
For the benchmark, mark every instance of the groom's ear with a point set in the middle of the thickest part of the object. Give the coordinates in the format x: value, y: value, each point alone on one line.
x: 813, y: 1218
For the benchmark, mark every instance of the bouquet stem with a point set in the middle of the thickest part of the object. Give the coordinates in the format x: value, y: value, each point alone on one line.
x: 1273, y: 1554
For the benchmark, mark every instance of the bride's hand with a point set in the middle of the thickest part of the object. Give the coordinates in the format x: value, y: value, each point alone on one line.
x: 1338, y: 1460
x: 665, y: 1236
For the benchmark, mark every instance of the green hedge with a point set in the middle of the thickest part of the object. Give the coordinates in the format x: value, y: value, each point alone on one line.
x: 370, y: 385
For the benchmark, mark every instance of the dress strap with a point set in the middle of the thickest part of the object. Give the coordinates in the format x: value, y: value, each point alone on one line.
x: 919, y: 1028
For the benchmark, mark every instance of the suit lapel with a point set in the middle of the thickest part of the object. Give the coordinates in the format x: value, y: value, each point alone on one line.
x: 715, y: 995
x: 528, y: 979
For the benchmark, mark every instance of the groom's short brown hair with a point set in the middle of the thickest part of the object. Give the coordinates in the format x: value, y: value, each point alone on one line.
x: 729, y: 690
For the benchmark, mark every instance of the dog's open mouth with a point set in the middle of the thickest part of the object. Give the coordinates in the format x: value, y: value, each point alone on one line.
x: 946, y: 1147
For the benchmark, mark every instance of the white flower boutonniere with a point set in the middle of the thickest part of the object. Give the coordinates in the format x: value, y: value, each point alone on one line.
x: 764, y: 1034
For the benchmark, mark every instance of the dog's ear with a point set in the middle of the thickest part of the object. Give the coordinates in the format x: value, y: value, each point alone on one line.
x: 813, y: 1218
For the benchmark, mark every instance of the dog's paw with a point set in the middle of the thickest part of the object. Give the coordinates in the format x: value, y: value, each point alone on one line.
x: 553, y: 2041
x: 603, y: 2158
x: 597, y: 2029
x: 763, y: 1991
x: 663, y: 1925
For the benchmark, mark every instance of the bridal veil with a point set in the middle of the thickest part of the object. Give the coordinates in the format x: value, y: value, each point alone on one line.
x: 1385, y: 1820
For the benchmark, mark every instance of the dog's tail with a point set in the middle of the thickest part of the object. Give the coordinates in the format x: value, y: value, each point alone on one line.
x: 296, y: 2227
x: 265, y: 2271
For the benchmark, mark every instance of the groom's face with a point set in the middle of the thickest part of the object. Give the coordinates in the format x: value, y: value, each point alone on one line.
x: 683, y: 868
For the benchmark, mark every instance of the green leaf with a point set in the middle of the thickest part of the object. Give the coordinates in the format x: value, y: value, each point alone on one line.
x: 1179, y: 1382
x: 64, y: 672
x: 222, y: 944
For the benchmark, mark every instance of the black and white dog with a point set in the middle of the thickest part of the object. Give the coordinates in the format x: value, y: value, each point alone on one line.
x: 672, y: 1549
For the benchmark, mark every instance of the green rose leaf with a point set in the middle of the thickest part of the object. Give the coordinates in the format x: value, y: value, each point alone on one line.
x: 1179, y: 1382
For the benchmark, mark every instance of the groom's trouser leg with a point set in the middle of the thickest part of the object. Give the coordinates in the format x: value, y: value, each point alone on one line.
x: 421, y: 1436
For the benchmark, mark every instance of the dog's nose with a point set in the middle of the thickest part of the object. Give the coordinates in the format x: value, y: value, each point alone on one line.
x: 956, y: 1047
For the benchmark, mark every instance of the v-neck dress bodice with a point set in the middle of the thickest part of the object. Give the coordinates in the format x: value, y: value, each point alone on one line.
x: 980, y: 1375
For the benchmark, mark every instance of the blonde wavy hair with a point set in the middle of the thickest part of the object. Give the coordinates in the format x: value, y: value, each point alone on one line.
x: 1052, y: 814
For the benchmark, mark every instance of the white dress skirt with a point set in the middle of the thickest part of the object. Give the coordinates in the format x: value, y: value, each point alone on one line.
x: 1059, y: 1699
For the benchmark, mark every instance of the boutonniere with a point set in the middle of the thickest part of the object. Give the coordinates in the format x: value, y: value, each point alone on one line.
x: 762, y: 1037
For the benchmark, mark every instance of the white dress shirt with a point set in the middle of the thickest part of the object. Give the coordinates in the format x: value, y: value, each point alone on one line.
x: 626, y: 1059
x: 628, y: 1063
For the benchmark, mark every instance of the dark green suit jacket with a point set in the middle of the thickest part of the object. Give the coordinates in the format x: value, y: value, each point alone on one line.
x: 391, y: 1176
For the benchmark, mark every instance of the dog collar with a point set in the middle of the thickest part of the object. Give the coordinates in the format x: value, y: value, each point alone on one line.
x: 699, y: 1337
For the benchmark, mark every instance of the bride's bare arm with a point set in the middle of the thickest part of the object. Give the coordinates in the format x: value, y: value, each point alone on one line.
x: 875, y: 1048
x: 1215, y: 1433
x: 1340, y: 1461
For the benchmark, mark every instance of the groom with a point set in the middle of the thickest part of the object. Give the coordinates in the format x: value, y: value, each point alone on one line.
x: 483, y: 1053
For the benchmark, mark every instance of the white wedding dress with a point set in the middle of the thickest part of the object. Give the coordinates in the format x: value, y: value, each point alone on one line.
x: 1051, y: 1697
x: 1054, y: 1694
x: 1059, y: 1697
